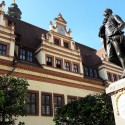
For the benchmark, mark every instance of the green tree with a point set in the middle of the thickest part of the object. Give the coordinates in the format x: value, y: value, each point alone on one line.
x: 90, y: 110
x: 13, y: 95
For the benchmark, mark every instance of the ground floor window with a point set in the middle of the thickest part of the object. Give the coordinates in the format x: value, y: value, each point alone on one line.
x: 46, y: 104
x: 58, y: 102
x: 32, y: 103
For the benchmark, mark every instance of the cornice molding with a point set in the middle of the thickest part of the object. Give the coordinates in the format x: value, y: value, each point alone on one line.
x: 52, y: 73
x: 53, y: 81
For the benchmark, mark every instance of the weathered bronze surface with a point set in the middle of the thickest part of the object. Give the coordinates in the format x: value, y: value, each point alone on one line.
x: 113, y: 38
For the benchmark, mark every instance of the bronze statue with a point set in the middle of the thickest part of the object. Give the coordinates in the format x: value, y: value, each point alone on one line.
x: 113, y: 38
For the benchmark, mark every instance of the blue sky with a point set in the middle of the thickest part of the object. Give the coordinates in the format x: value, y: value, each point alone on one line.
x: 84, y: 17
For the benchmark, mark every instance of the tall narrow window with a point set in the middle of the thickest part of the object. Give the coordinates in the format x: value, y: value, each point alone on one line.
x: 114, y: 78
x: 58, y: 102
x: 67, y: 66
x: 75, y: 68
x: 119, y: 77
x: 32, y: 103
x: 22, y: 55
x: 66, y: 45
x: 56, y: 41
x: 109, y: 76
x: 49, y: 61
x: 95, y: 74
x: 58, y: 63
x: 29, y: 56
x: 90, y: 72
x: 71, y: 99
x: 3, y: 49
x: 86, y: 71
x: 46, y: 104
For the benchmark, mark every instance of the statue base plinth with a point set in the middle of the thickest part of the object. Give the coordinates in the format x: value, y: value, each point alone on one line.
x: 117, y: 92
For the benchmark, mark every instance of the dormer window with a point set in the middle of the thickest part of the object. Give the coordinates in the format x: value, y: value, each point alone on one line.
x: 22, y: 54
x: 49, y: 61
x: 95, y: 73
x: 56, y: 41
x: 25, y: 54
x: 29, y: 56
x: 3, y: 49
x: 67, y: 66
x: 90, y: 72
x: 66, y: 44
x: 58, y: 63
x: 75, y: 68
x: 86, y: 71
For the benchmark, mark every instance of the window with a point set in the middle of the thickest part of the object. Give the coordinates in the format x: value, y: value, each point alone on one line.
x: 75, y: 68
x: 114, y: 78
x: 29, y: 56
x: 67, y: 66
x: 66, y: 45
x: 49, y: 61
x: 58, y: 63
x: 119, y: 77
x: 22, y: 54
x: 46, y: 104
x: 90, y: 72
x: 71, y: 99
x: 26, y: 55
x: 3, y: 49
x: 56, y: 41
x: 109, y: 76
x: 32, y: 103
x: 95, y: 74
x: 58, y: 102
x: 86, y: 71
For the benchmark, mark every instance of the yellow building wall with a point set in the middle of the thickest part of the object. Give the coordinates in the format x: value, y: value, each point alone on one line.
x: 51, y: 88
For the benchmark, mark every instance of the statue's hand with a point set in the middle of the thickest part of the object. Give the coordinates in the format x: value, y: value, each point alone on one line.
x: 116, y: 31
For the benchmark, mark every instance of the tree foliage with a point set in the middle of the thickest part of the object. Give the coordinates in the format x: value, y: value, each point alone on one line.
x: 90, y: 110
x: 13, y: 94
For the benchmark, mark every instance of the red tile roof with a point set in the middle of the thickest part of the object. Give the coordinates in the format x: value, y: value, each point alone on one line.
x: 31, y: 38
x: 30, y: 34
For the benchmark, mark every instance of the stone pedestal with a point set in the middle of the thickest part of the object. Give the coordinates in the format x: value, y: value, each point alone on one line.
x: 117, y: 92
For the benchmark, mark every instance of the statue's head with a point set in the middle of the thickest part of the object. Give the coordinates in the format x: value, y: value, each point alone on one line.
x: 107, y: 12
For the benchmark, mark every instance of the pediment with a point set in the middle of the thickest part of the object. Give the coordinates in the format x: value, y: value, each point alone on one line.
x: 60, y: 19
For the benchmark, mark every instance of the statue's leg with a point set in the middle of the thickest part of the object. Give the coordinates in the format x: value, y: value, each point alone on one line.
x: 120, y: 55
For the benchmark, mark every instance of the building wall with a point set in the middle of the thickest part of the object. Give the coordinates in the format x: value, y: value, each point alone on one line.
x: 50, y: 83
x: 48, y: 87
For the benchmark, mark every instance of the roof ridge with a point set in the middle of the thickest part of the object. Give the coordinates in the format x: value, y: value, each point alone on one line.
x: 14, y: 19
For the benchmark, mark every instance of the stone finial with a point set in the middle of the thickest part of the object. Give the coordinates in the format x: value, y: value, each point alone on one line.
x: 69, y: 31
x: 43, y: 37
x: 60, y: 15
x: 12, y: 25
x: 50, y: 23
